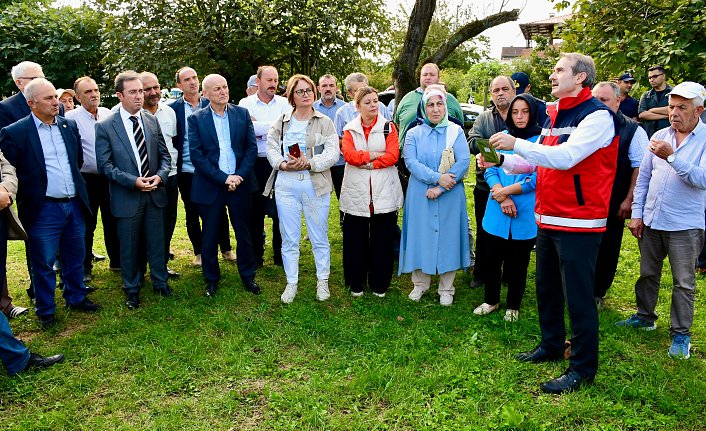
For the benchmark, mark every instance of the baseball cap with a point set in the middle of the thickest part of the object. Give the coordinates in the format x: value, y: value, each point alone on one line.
x: 60, y: 92
x: 521, y: 81
x: 627, y: 77
x: 689, y: 90
x: 252, y: 82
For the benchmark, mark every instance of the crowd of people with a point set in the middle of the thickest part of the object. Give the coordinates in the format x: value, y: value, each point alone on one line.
x: 560, y: 178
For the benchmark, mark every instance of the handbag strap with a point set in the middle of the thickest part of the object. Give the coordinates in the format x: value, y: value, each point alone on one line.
x: 451, y: 135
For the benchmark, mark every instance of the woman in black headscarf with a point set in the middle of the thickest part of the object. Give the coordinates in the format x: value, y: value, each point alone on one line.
x: 509, y: 218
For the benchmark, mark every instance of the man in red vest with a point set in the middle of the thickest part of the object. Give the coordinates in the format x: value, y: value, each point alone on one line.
x: 576, y: 163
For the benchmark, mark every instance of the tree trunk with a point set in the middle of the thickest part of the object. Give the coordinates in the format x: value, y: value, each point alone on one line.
x: 405, y: 73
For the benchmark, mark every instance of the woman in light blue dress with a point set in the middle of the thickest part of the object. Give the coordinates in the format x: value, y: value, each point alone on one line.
x: 435, y: 222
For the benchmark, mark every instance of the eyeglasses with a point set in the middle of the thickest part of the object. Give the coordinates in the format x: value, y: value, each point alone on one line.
x: 655, y: 76
x: 301, y: 92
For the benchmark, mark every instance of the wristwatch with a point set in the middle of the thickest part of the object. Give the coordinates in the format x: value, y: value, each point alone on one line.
x: 670, y: 158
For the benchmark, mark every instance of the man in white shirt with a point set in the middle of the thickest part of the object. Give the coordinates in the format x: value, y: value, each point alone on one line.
x: 265, y: 107
x: 86, y: 117
x: 167, y: 122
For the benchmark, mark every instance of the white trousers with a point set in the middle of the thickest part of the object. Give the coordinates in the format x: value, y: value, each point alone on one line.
x: 446, y: 281
x: 295, y: 195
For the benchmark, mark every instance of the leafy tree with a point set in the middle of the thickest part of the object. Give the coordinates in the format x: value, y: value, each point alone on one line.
x: 408, y: 61
x: 667, y: 32
x: 479, y: 77
x: 538, y: 67
x: 234, y: 37
x: 66, y: 41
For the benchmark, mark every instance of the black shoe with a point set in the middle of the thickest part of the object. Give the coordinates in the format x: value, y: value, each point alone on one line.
x: 98, y: 257
x: 90, y: 289
x: 568, y: 382
x: 165, y: 292
x: 211, y: 289
x: 252, y: 287
x: 538, y: 355
x: 172, y: 274
x: 132, y: 301
x: 87, y: 276
x: 47, y: 321
x: 85, y: 305
x: 278, y: 262
x: 38, y: 361
x: 475, y: 283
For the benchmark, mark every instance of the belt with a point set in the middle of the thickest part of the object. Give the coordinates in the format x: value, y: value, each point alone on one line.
x: 58, y: 200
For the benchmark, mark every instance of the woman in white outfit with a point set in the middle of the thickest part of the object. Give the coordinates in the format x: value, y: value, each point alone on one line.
x: 301, y: 147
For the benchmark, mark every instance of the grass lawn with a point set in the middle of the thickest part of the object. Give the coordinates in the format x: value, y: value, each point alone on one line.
x: 239, y: 362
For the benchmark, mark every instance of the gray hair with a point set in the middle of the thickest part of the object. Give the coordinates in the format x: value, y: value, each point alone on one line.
x: 128, y: 75
x: 19, y: 70
x: 355, y: 77
x: 582, y: 63
x: 509, y: 80
x: 328, y: 76
x: 613, y: 86
x: 32, y: 88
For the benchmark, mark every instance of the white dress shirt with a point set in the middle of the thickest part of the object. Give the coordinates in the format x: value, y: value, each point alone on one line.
x: 265, y: 115
x: 87, y: 128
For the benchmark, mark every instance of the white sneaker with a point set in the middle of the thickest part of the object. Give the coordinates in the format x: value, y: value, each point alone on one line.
x: 357, y: 294
x: 289, y: 293
x: 416, y: 293
x: 322, y: 292
x: 485, y: 308
x: 446, y: 299
x: 512, y: 315
x: 379, y: 295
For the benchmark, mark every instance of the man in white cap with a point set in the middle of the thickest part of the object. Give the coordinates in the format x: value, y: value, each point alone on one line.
x: 66, y: 98
x: 668, y: 215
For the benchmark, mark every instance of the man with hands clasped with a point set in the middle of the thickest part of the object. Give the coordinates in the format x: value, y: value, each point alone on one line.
x: 667, y: 215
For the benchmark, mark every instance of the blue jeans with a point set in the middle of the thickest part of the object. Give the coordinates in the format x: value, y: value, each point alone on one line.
x: 59, y: 226
x: 13, y: 353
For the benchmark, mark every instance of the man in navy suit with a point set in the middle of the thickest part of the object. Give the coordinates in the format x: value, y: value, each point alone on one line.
x: 12, y: 109
x: 131, y: 152
x: 45, y: 149
x: 188, y: 82
x: 223, y: 150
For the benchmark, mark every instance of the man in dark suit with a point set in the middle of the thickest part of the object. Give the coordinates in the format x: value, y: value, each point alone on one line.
x: 188, y: 82
x: 12, y: 109
x: 45, y: 149
x: 223, y: 149
x: 131, y: 152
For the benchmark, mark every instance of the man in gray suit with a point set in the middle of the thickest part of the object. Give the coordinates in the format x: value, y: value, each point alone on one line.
x: 131, y: 152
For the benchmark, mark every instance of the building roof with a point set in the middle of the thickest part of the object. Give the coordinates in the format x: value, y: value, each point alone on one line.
x: 543, y: 27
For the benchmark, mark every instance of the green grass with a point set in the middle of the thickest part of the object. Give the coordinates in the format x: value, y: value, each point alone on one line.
x: 239, y: 362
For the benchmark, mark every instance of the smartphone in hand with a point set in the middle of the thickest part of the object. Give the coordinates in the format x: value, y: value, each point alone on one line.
x: 294, y: 150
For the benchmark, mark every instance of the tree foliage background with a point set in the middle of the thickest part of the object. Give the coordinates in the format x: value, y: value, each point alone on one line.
x: 638, y: 35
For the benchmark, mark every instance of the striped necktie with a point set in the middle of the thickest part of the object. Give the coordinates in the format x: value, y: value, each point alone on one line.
x: 141, y: 146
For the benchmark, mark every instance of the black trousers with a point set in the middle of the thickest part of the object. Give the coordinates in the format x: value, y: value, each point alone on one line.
x: 193, y: 224
x: 480, y: 200
x: 608, y: 255
x: 170, y: 212
x: 238, y: 208
x: 99, y: 198
x: 368, y: 250
x: 257, y: 216
x: 337, y: 177
x: 508, y: 260
x: 566, y: 264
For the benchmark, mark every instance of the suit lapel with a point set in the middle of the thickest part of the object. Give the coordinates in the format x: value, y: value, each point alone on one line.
x: 35, y: 143
x: 232, y: 122
x: 210, y: 125
x: 122, y: 135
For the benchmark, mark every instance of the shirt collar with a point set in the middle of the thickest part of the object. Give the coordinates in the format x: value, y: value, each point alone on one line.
x: 225, y: 111
x: 126, y: 115
x: 38, y: 122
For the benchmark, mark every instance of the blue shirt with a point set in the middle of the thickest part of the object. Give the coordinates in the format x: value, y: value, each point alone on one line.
x: 60, y: 181
x: 672, y: 196
x: 226, y: 156
x: 186, y: 165
x: 329, y: 112
x: 495, y: 222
